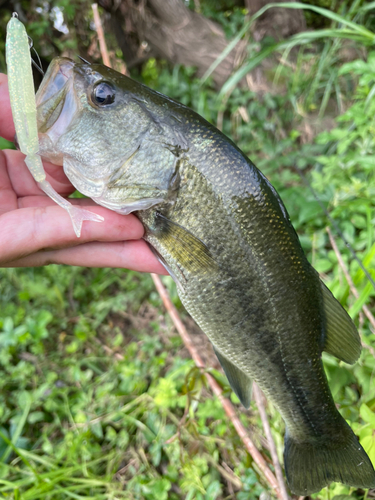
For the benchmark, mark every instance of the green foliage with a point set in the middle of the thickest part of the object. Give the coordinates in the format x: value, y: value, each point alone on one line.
x: 345, y: 176
x: 348, y: 166
x: 55, y: 26
x: 343, y: 28
x: 97, y: 398
x: 251, y: 488
x: 92, y: 404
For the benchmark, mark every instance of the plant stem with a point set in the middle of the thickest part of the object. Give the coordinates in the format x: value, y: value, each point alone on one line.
x: 259, y: 399
x: 99, y: 30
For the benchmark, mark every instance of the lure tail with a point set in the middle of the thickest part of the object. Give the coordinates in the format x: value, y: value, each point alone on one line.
x: 310, y: 466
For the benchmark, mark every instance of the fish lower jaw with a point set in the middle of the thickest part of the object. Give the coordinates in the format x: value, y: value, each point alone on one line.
x: 48, y: 151
x: 126, y: 207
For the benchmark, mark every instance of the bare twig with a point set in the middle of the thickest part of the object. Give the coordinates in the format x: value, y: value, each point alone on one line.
x: 99, y: 30
x: 215, y: 387
x: 122, y: 471
x: 227, y: 473
x: 108, y: 350
x: 229, y: 483
x: 259, y: 400
x: 352, y: 287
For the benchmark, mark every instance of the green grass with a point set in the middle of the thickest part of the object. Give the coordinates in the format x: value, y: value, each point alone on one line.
x: 98, y: 399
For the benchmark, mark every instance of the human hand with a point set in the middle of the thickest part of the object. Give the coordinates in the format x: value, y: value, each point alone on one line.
x: 34, y: 231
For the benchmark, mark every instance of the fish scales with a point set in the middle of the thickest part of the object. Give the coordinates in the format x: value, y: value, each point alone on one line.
x: 223, y: 233
x: 244, y: 260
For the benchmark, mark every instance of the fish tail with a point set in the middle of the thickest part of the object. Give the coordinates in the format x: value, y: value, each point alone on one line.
x: 310, y: 466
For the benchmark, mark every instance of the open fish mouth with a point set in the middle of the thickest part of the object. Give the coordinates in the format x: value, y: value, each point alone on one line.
x: 55, y: 100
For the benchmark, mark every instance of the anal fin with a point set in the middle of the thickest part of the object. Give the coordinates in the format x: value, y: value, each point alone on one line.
x: 240, y: 382
x: 342, y: 338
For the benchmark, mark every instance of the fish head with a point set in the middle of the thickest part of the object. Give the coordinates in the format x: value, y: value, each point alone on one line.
x: 109, y: 132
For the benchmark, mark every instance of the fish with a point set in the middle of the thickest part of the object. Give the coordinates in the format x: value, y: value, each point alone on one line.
x: 224, y: 235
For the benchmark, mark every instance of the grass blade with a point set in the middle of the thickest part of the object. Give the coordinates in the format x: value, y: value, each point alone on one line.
x: 18, y: 430
x: 226, y: 51
x: 352, y: 31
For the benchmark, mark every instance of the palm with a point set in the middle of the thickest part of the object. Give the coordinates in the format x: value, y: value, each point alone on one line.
x: 18, y: 188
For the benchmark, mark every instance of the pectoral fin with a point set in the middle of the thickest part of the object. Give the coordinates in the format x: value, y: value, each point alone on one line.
x: 240, y: 382
x: 166, y: 266
x: 186, y: 249
x: 342, y: 338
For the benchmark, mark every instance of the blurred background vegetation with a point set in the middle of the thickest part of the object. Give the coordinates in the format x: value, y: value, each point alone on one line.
x: 98, y: 397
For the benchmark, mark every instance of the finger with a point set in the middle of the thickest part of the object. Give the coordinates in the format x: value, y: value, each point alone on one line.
x: 8, y: 198
x: 28, y: 230
x: 23, y: 183
x: 6, y: 119
x: 45, y: 201
x: 10, y: 202
x: 135, y: 255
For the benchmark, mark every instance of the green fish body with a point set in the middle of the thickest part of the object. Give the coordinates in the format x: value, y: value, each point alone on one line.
x: 223, y: 233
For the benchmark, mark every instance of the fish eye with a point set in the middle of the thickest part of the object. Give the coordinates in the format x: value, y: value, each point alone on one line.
x: 103, y: 94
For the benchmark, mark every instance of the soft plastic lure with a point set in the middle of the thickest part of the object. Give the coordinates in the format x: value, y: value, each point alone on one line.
x: 22, y: 101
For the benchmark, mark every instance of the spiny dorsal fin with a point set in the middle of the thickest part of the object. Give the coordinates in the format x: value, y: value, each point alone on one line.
x: 240, y: 382
x: 187, y: 250
x: 342, y: 337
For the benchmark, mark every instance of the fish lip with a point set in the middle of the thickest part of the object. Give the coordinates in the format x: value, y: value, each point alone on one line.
x: 59, y: 73
x: 56, y: 103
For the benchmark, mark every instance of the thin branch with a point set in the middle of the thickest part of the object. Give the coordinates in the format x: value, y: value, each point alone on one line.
x: 99, y: 30
x: 352, y: 287
x: 226, y: 473
x: 216, y: 389
x: 259, y: 400
x: 108, y: 350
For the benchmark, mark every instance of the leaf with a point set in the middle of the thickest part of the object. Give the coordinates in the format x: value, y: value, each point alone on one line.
x: 367, y: 7
x: 96, y: 429
x: 342, y: 497
x: 165, y: 393
x: 362, y: 300
x: 358, y: 67
x: 368, y: 444
x: 36, y: 416
x: 367, y: 415
x: 213, y: 491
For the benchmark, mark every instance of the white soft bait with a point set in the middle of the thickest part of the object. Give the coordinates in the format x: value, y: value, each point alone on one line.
x: 22, y: 101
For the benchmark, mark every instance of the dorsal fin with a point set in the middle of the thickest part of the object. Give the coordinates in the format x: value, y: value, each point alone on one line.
x: 240, y: 382
x: 341, y: 337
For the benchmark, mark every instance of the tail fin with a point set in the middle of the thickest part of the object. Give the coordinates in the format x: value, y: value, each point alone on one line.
x: 311, y: 466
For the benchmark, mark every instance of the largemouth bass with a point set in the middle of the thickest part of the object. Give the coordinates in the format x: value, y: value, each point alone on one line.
x: 221, y: 230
